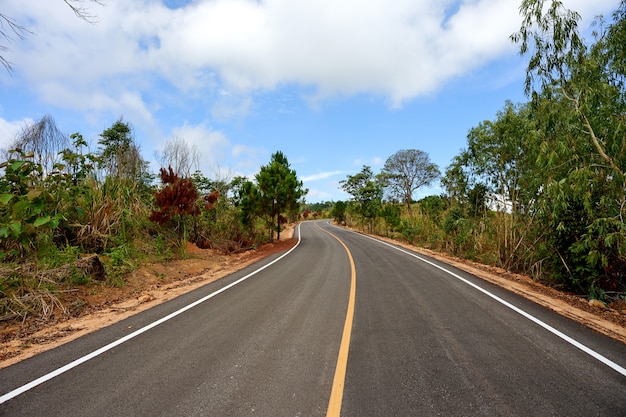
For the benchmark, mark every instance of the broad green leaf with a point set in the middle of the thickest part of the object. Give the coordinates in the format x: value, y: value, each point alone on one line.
x: 5, y: 198
x: 17, y: 165
x: 20, y: 207
x: 55, y: 221
x: 33, y: 194
x: 41, y: 221
x: 16, y: 227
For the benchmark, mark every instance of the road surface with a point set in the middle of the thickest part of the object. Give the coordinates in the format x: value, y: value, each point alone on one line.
x: 340, y: 325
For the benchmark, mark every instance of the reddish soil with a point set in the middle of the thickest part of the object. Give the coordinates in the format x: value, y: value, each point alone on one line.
x: 95, y: 307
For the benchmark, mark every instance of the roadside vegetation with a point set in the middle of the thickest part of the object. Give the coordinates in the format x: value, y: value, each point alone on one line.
x: 541, y: 188
x: 70, y: 216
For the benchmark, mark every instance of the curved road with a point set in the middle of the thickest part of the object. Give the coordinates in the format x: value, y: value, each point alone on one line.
x: 341, y: 324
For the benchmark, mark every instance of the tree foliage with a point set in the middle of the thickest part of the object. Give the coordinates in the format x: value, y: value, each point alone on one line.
x: 405, y: 172
x: 55, y: 210
x: 367, y: 193
x: 579, y: 98
x: 120, y: 156
x: 279, y: 190
x: 176, y: 199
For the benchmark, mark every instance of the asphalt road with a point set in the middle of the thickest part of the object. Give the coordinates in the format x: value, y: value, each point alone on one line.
x: 388, y: 335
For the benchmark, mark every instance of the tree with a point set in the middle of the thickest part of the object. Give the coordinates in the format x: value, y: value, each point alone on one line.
x: 457, y: 179
x: 246, y: 199
x: 279, y: 190
x: 44, y: 140
x: 339, y: 212
x: 367, y: 193
x: 9, y: 27
x: 406, y: 171
x: 182, y: 157
x: 120, y: 156
x: 176, y: 200
x: 582, y: 199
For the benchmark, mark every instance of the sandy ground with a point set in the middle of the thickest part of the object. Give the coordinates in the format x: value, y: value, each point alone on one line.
x: 156, y: 283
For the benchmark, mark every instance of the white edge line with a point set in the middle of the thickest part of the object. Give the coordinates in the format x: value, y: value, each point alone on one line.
x: 12, y: 394
x: 530, y: 317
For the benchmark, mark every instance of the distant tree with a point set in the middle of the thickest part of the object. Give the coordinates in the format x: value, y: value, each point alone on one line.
x: 457, y: 180
x: 433, y: 206
x: 339, y: 212
x: 176, y: 200
x: 279, y: 190
x: 391, y: 214
x: 184, y: 158
x: 120, y: 156
x: 44, y: 140
x: 367, y: 193
x: 406, y: 171
x: 245, y: 197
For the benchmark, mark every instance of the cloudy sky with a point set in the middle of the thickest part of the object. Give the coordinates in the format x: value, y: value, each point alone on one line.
x: 334, y: 84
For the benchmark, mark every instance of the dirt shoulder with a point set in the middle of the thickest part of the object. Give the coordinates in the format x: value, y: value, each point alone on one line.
x: 150, y: 285
x: 153, y: 284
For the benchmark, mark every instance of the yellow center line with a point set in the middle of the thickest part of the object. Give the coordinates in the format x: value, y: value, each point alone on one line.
x: 336, y: 395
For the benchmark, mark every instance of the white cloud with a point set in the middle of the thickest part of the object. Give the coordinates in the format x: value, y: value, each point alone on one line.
x: 229, y: 107
x: 399, y: 50
x: 212, y: 145
x: 9, y: 130
x: 322, y: 176
x: 371, y: 162
x: 315, y: 195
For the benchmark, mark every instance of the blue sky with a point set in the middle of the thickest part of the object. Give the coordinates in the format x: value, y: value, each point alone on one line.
x: 333, y: 84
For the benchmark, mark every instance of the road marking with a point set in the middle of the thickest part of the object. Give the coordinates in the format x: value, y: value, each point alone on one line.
x: 518, y: 310
x: 336, y: 394
x: 12, y: 394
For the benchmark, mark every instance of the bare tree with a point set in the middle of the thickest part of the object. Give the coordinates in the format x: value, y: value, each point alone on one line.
x: 9, y: 28
x: 184, y: 158
x: 83, y: 12
x: 44, y: 140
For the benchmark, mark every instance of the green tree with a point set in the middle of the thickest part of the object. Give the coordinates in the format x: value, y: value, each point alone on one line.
x: 457, y: 180
x: 339, y: 212
x: 279, y: 190
x: 501, y: 156
x: 27, y: 208
x: 582, y: 198
x: 120, y: 156
x: 367, y: 194
x: 246, y: 200
x: 391, y: 214
x: 405, y: 172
